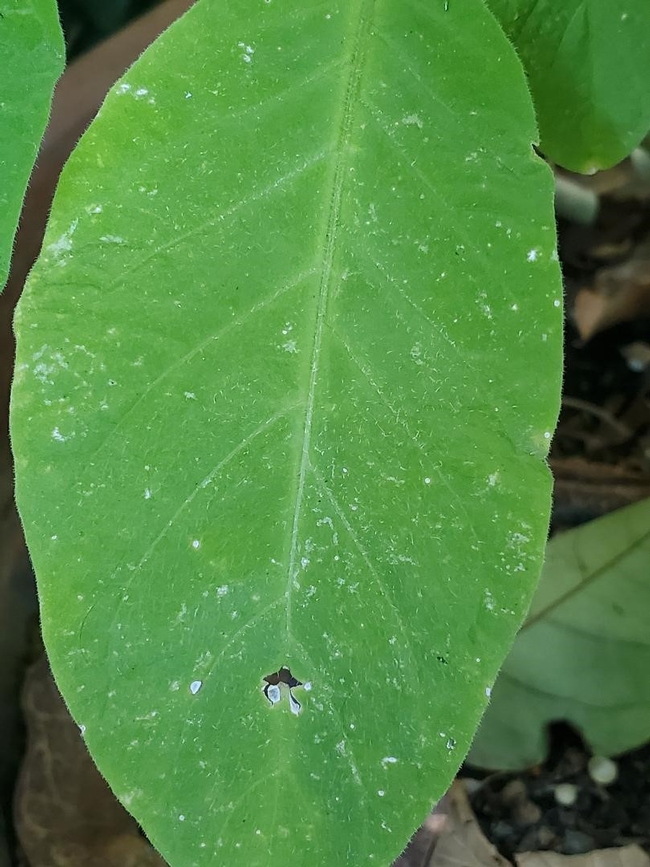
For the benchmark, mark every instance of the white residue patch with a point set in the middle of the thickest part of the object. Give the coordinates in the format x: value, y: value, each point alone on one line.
x: 140, y: 92
x: 58, y: 436
x: 147, y: 493
x: 489, y: 601
x: 189, y: 395
x: 112, y: 239
x: 248, y: 52
x: 493, y: 478
x: 294, y: 704
x: 341, y: 749
x: 307, y: 686
x: 195, y: 686
x: 389, y: 760
x: 82, y: 730
x: 290, y: 346
x: 221, y: 591
x: 123, y: 87
x: 64, y: 243
x: 273, y: 693
x: 532, y: 255
x: 174, y: 686
x: 412, y: 120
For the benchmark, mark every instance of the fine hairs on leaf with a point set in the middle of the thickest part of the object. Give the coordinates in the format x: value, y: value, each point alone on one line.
x: 288, y: 368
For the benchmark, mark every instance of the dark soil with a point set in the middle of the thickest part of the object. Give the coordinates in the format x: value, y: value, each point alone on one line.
x: 521, y: 813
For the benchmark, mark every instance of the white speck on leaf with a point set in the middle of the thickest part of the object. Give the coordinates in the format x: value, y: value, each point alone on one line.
x: 147, y: 493
x: 196, y: 544
x: 532, y: 255
x: 195, y: 686
x: 221, y: 591
x: 427, y: 480
x: 381, y: 793
x: 488, y: 691
x: 58, y: 436
x: 556, y: 303
x: 389, y: 760
x: 189, y: 395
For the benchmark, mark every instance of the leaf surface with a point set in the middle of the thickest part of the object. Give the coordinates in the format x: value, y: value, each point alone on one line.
x: 31, y: 47
x: 588, y: 66
x: 584, y: 652
x: 288, y: 368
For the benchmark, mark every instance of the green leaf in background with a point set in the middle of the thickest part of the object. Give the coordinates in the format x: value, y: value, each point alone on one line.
x: 288, y: 368
x: 584, y: 652
x: 31, y: 47
x: 588, y: 66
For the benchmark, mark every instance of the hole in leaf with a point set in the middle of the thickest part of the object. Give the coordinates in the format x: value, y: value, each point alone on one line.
x: 273, y: 688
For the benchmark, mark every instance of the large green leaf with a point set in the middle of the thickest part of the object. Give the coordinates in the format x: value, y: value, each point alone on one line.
x: 588, y: 64
x: 31, y: 47
x: 584, y: 652
x: 288, y: 368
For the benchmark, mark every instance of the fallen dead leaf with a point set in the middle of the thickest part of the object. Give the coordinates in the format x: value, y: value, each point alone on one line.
x: 626, y: 856
x: 65, y: 813
x: 619, y: 294
x: 459, y: 840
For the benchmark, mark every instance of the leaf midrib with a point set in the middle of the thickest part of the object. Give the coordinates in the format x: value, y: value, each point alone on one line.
x: 356, y: 61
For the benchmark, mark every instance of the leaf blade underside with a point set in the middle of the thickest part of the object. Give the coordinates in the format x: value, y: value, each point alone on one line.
x: 583, y: 653
x: 587, y: 64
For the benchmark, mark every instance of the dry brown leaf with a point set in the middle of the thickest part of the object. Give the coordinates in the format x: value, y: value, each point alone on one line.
x: 64, y: 811
x: 626, y: 856
x: 461, y: 843
x: 619, y: 294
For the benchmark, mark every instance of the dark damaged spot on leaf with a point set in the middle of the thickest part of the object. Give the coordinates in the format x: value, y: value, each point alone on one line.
x: 273, y: 683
